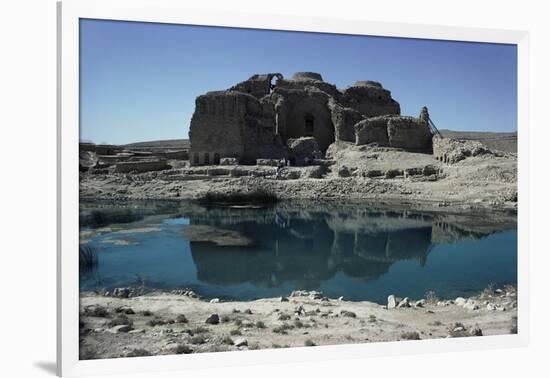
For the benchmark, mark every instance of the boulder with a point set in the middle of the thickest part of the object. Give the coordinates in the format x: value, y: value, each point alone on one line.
x: 459, y: 301
x: 213, y: 319
x: 303, y: 147
x: 393, y: 301
x: 404, y: 303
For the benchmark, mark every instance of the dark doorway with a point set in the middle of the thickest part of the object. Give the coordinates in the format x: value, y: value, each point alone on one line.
x: 207, y: 158
x: 216, y: 158
x: 309, y: 124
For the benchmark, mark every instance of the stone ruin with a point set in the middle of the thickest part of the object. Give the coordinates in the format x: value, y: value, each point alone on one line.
x: 104, y: 158
x: 264, y: 117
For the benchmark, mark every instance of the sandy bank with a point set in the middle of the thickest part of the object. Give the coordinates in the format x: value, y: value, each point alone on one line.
x: 180, y: 322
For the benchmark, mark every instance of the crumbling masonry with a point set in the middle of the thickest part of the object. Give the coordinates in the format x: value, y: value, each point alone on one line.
x: 262, y: 117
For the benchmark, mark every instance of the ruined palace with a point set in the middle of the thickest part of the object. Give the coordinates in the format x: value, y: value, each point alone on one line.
x: 264, y: 117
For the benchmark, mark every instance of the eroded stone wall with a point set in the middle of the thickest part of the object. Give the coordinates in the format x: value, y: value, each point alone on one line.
x: 408, y: 133
x: 370, y: 100
x: 255, y: 118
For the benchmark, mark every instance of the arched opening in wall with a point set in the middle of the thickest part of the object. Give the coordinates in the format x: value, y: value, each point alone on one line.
x: 206, y: 158
x: 216, y: 158
x: 196, y: 158
x: 309, y: 124
x: 273, y: 83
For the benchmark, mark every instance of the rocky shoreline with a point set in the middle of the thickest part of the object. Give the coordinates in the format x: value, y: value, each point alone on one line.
x: 481, y: 182
x: 130, y: 322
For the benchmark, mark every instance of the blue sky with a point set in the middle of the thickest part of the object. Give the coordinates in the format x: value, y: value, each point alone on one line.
x: 139, y: 81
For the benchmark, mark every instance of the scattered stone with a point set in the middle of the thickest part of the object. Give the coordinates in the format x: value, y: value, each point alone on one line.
x: 141, y: 330
x: 475, y: 331
x: 215, y: 300
x: 393, y: 301
x: 348, y: 314
x: 241, y: 342
x: 213, y: 319
x: 315, y: 295
x: 121, y: 292
x: 404, y: 303
x: 123, y: 328
x: 412, y: 335
x: 459, y: 301
x: 471, y: 305
x: 283, y: 299
x: 420, y: 303
x: 300, y: 310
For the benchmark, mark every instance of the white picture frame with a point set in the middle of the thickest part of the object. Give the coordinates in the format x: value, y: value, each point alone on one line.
x: 172, y: 11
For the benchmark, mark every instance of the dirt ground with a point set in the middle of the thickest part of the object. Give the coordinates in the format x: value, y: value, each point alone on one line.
x: 167, y: 323
x: 486, y: 181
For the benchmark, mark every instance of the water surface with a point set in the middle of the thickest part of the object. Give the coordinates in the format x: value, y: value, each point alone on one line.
x: 358, y: 252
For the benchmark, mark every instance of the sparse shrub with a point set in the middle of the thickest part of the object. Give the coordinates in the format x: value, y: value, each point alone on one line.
x: 489, y: 290
x: 138, y: 353
x: 298, y: 323
x: 120, y: 319
x: 227, y: 340
x: 197, y: 339
x: 97, y: 311
x: 253, y: 346
x: 182, y: 349
x: 155, y: 322
x: 283, y: 328
x: 431, y: 297
x: 147, y: 313
x: 348, y: 314
x: 199, y: 330
x: 260, y: 324
x: 235, y: 332
x: 372, y: 319
x: 309, y: 342
x: 238, y: 322
x: 458, y: 330
x: 261, y: 196
x: 125, y: 310
x: 411, y: 335
x: 436, y: 323
x: 284, y: 317
x: 225, y: 319
x: 181, y: 318
x: 248, y: 311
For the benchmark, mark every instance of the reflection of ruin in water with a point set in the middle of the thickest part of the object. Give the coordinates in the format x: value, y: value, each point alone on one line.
x: 309, y: 247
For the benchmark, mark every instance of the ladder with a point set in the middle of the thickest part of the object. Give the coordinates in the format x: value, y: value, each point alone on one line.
x: 434, y: 129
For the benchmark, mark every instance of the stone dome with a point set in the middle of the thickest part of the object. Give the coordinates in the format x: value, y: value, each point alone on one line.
x: 367, y: 83
x: 307, y: 76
